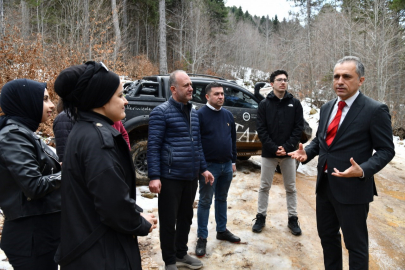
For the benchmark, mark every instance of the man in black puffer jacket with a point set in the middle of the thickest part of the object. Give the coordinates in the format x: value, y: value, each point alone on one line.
x: 62, y: 125
x: 175, y: 161
x: 280, y: 122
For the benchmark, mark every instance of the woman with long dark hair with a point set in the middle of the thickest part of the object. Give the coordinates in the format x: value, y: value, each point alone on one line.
x: 100, y: 217
x: 29, y: 178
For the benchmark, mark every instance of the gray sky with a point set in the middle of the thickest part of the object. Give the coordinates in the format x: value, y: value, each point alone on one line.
x: 264, y: 7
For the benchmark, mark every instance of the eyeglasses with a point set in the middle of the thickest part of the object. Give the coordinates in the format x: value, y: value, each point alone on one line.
x: 282, y: 80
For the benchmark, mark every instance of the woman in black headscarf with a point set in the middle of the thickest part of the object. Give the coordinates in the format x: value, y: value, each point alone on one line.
x: 100, y: 218
x: 30, y: 178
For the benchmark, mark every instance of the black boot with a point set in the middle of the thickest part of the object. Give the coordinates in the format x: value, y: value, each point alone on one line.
x: 294, y: 225
x: 201, y: 247
x: 259, y: 224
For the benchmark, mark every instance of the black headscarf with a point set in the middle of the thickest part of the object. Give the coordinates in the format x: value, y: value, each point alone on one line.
x: 23, y: 101
x: 85, y: 87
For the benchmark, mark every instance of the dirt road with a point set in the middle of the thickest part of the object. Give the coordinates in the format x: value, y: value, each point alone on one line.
x: 276, y: 247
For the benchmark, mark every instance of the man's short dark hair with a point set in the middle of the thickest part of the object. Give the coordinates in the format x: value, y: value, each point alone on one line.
x: 276, y: 73
x: 212, y: 85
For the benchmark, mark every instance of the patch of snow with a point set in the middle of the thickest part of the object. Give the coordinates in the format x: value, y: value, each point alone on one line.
x: 148, y: 205
x: 4, y: 265
x: 246, y: 75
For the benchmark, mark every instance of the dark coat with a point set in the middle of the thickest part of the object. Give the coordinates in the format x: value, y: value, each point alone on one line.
x: 279, y: 123
x: 29, y: 192
x: 174, y: 143
x: 366, y: 127
x: 99, y: 191
x: 62, y: 125
x: 30, y: 173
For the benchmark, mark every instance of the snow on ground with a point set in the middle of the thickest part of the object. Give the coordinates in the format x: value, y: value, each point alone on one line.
x: 312, y: 119
x: 245, y: 76
x: 146, y: 203
x: 3, y: 264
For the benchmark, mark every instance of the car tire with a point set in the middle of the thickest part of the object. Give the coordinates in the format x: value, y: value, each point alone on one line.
x: 139, y: 157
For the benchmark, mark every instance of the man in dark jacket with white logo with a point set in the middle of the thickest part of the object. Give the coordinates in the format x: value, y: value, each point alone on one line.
x: 175, y: 161
x: 280, y: 123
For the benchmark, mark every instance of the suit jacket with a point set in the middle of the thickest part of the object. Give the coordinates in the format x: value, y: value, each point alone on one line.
x: 366, y: 127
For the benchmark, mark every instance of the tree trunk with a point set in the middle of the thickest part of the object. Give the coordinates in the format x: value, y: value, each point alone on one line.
x: 2, y: 26
x: 25, y: 19
x: 162, y: 38
x: 124, y: 14
x: 38, y: 28
x: 86, y: 32
x: 116, y: 29
x: 309, y: 47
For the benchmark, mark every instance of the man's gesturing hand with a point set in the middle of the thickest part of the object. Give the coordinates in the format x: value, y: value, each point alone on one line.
x: 299, y: 154
x: 155, y: 186
x: 208, y: 177
x: 354, y: 171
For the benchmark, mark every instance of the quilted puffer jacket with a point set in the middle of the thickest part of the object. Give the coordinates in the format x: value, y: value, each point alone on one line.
x: 62, y: 125
x: 174, y: 143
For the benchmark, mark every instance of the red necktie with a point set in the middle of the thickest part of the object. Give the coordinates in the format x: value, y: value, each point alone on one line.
x: 333, y: 126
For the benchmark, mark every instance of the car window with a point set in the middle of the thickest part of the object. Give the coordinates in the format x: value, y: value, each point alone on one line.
x: 199, y: 93
x: 236, y: 98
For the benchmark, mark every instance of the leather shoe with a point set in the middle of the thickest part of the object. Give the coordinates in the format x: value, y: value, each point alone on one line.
x: 228, y: 236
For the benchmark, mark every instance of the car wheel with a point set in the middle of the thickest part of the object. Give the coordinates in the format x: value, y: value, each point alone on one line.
x: 139, y: 157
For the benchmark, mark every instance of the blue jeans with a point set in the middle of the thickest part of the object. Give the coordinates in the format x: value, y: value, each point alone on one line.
x: 222, y: 173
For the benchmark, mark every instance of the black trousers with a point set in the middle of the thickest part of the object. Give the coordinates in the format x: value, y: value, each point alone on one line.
x: 351, y: 219
x: 30, y: 243
x: 175, y: 205
x: 34, y: 262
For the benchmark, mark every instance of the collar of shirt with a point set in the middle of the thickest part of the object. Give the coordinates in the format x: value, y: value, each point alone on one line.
x: 212, y: 108
x: 348, y: 101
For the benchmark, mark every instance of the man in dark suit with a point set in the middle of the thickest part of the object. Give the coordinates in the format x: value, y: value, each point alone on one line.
x: 350, y: 128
